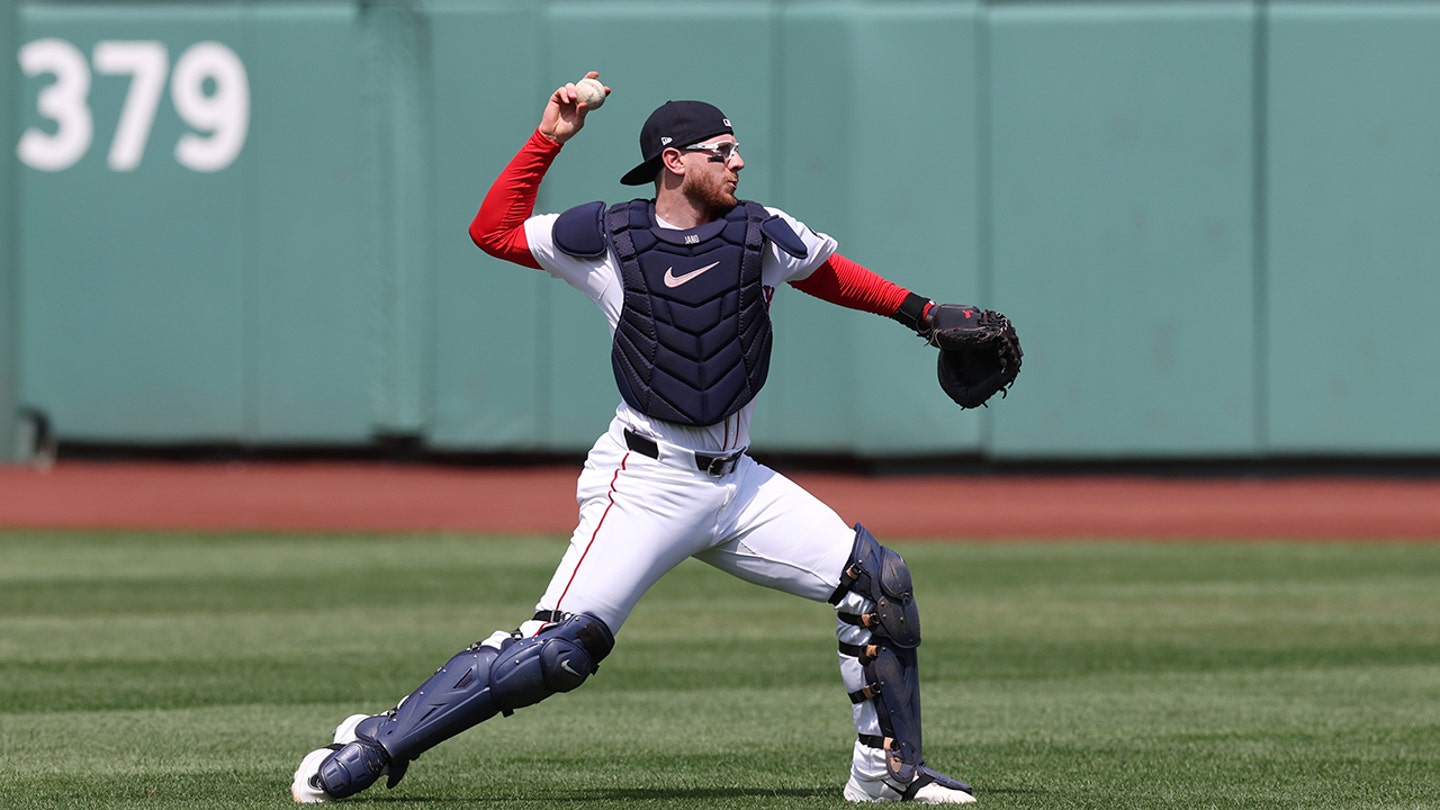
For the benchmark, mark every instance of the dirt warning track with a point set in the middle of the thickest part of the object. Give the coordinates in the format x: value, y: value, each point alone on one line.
x: 346, y: 497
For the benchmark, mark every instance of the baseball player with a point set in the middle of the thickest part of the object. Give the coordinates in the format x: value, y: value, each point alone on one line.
x: 685, y: 279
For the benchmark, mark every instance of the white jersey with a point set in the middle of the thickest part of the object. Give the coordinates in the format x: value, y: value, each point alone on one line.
x: 599, y: 279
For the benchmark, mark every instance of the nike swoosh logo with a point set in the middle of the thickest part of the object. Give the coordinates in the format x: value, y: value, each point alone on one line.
x: 672, y: 280
x: 565, y: 665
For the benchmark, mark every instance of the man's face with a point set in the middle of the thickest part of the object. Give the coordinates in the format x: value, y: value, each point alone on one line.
x: 713, y: 174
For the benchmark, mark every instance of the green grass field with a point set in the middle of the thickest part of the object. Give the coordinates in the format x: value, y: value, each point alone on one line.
x: 195, y: 671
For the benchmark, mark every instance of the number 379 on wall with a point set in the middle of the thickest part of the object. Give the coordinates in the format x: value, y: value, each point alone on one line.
x: 208, y: 89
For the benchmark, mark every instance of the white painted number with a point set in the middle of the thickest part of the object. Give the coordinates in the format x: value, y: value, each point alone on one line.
x: 208, y: 88
x: 224, y: 113
x: 147, y: 64
x: 62, y: 101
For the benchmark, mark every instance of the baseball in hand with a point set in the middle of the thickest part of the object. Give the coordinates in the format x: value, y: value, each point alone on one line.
x: 590, y: 91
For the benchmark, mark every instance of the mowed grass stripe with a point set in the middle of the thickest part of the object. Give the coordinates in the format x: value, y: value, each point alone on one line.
x: 173, y: 670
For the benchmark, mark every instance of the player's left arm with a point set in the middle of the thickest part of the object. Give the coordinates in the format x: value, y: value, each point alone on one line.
x: 980, y: 353
x: 847, y: 283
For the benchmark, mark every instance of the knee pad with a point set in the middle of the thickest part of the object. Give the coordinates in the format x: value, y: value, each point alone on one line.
x: 495, y: 676
x: 881, y: 576
x: 558, y: 659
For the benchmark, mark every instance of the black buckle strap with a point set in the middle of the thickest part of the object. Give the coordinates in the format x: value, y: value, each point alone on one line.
x: 864, y: 654
x: 869, y: 691
x: 873, y: 741
x: 714, y: 466
x: 848, y: 578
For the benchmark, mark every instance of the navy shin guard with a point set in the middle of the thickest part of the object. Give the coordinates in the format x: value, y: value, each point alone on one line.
x: 894, y: 677
x: 475, y: 685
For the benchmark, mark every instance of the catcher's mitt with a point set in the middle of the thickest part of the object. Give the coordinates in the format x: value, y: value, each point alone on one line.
x: 979, y: 352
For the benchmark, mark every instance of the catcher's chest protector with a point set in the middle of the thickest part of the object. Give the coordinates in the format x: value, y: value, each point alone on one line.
x: 693, y: 342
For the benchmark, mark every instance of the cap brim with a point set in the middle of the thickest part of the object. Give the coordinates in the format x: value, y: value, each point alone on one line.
x: 643, y: 174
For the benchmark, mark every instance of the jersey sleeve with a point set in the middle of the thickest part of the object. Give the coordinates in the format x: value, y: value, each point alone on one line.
x: 818, y: 247
x: 595, y: 277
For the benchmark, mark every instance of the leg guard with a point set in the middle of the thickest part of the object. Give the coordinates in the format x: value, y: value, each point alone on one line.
x: 882, y: 577
x: 499, y: 675
x: 876, y: 600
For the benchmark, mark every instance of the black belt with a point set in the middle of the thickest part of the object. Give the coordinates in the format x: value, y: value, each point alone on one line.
x: 714, y: 466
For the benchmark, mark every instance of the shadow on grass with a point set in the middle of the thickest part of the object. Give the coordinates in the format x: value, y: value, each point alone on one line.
x: 628, y: 795
x: 671, y: 794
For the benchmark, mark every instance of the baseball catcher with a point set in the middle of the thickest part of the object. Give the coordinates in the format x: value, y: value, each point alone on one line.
x: 684, y: 278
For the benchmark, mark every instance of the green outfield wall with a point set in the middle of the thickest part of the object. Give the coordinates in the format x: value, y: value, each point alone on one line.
x: 9, y: 261
x: 1216, y: 224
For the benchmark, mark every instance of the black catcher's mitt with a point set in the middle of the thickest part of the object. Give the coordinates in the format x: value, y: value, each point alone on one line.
x: 979, y: 352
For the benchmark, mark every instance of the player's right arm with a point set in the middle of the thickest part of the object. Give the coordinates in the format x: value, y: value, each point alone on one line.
x: 499, y: 226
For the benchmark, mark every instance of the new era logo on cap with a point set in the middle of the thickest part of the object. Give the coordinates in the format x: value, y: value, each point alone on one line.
x: 674, y: 123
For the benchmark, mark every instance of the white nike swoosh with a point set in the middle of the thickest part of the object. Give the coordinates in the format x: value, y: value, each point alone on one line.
x: 565, y: 665
x: 672, y: 280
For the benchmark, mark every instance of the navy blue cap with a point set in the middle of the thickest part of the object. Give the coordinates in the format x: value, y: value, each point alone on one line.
x: 677, y: 124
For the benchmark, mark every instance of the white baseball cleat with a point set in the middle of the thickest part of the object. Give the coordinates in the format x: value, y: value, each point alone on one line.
x: 879, y: 790
x: 345, y: 732
x: 305, y: 786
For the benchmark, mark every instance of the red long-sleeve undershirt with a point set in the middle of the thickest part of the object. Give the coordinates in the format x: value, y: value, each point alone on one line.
x: 849, y: 284
x: 499, y: 226
x: 499, y: 229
